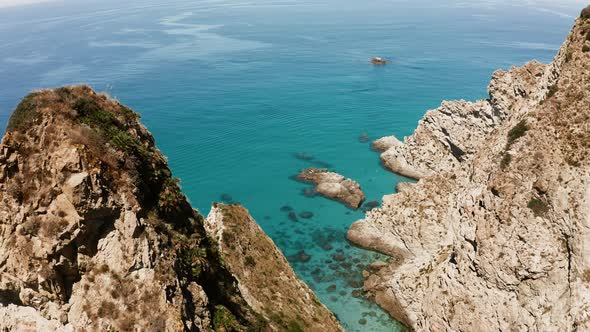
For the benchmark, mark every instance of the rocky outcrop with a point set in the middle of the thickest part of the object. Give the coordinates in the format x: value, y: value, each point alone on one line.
x: 96, y: 235
x: 334, y: 186
x: 264, y: 276
x: 450, y: 135
x: 495, y: 235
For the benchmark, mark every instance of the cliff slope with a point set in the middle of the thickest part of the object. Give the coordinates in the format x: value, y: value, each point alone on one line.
x: 262, y: 269
x: 95, y: 234
x: 496, y: 234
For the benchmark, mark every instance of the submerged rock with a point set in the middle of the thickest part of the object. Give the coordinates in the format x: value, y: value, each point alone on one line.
x: 306, y: 214
x: 309, y: 192
x: 334, y: 186
x: 301, y: 256
x: 355, y: 283
x: 364, y: 138
x: 346, y: 265
x: 226, y: 198
x: 304, y: 156
x: 338, y: 257
x: 293, y: 216
x: 286, y: 208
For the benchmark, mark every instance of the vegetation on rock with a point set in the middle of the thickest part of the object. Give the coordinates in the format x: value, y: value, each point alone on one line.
x: 538, y: 206
x: 95, y: 226
x: 518, y: 131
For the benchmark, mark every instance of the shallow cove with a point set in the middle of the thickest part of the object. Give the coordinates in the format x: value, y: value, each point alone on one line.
x: 234, y: 91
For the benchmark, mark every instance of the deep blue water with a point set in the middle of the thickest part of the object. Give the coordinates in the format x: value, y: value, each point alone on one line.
x: 233, y: 90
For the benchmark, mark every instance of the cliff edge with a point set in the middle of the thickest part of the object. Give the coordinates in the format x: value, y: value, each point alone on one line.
x: 95, y: 233
x: 495, y: 235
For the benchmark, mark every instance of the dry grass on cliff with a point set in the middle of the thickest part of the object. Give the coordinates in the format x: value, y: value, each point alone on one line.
x: 564, y: 114
x: 128, y: 304
x: 262, y: 266
x: 105, y: 132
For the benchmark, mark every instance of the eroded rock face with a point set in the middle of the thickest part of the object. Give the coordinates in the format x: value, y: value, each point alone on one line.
x: 264, y: 276
x: 334, y: 186
x: 495, y: 238
x: 96, y: 235
x: 450, y: 135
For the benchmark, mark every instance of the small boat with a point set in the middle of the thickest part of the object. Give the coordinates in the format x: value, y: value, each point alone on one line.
x: 379, y: 61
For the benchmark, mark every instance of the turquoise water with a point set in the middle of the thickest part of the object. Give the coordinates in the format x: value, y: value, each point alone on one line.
x: 233, y: 90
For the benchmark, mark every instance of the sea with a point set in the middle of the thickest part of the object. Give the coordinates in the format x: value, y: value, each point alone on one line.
x: 241, y: 95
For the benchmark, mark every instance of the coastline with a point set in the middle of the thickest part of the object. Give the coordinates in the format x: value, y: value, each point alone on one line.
x: 437, y: 228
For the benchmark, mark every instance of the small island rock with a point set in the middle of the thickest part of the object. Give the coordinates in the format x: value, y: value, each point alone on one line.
x: 334, y: 186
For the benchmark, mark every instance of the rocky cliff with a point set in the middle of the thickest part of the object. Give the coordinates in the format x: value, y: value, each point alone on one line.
x: 95, y: 234
x: 496, y: 234
x: 265, y: 278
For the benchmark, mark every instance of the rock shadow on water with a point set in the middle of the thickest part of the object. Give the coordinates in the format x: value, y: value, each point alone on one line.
x: 226, y: 198
x: 309, y: 192
x: 322, y: 164
x: 303, y: 156
x: 368, y: 206
x: 312, y: 160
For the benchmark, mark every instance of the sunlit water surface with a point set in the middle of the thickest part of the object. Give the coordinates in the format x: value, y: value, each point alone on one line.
x: 234, y: 90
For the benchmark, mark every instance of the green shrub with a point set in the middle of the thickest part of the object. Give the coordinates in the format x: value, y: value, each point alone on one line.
x: 295, y: 327
x: 588, y: 36
x: 109, y: 128
x: 539, y: 207
x: 129, y: 114
x: 86, y: 107
x: 585, y: 14
x: 568, y: 55
x: 192, y: 259
x: 552, y: 91
x: 505, y: 160
x: 170, y: 196
x: 24, y: 114
x: 108, y: 309
x: 517, y: 132
x: 228, y: 237
x: 31, y: 226
x: 224, y: 320
x: 585, y: 48
x: 123, y: 141
x: 250, y: 261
